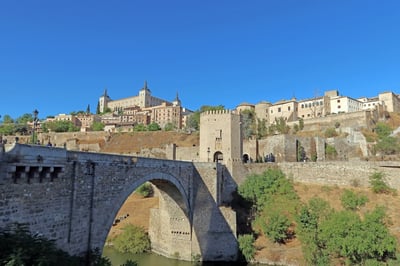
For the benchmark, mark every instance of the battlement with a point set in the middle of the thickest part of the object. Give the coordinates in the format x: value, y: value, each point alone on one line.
x: 219, y: 112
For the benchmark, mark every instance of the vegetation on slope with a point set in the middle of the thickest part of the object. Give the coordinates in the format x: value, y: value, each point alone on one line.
x: 327, y: 235
x: 19, y: 247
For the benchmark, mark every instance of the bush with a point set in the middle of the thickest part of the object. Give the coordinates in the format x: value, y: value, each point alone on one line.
x: 330, y: 133
x: 19, y: 247
x: 133, y: 239
x: 330, y: 151
x: 246, y: 246
x: 352, y: 201
x: 276, y: 228
x: 378, y: 183
x: 145, y: 190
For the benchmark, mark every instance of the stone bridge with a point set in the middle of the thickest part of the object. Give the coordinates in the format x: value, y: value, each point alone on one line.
x: 73, y: 198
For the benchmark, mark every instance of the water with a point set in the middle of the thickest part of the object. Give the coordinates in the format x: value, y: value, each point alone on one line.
x: 151, y: 259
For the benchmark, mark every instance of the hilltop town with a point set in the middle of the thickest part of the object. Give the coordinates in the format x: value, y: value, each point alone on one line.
x: 265, y: 127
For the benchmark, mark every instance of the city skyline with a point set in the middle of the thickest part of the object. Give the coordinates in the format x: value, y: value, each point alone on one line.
x: 59, y: 57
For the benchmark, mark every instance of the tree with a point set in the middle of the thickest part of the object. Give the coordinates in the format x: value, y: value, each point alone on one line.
x: 169, y: 127
x: 144, y: 190
x: 139, y: 127
x: 19, y: 247
x: 281, y: 126
x: 97, y: 126
x: 61, y: 126
x: 7, y: 119
x: 308, y: 229
x: 330, y: 151
x: 246, y: 246
x: 248, y: 123
x: 153, y: 127
x: 133, y: 239
x: 194, y: 119
x: 276, y: 227
x: 24, y: 119
x: 352, y: 201
x: 346, y: 235
x: 7, y: 129
x: 387, y: 145
x: 301, y: 124
x: 383, y: 130
x: 379, y: 184
x: 262, y: 129
x: 98, y: 108
x: 259, y: 188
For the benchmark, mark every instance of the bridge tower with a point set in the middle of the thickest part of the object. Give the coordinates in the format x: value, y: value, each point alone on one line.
x: 220, y: 136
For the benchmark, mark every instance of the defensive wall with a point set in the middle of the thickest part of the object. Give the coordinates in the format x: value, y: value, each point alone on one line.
x: 341, y: 173
x: 73, y: 197
x: 355, y: 120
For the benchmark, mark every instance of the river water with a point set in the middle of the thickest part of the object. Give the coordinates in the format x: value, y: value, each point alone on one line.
x: 151, y: 259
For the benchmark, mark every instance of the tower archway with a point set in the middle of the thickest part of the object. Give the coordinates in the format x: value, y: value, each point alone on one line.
x: 218, y: 157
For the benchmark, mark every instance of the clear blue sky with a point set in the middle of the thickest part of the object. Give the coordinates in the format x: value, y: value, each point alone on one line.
x: 59, y: 56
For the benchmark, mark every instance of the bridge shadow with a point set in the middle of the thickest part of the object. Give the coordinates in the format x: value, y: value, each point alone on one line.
x: 214, y: 222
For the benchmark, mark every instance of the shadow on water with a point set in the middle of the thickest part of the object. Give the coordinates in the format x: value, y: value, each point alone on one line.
x: 151, y: 259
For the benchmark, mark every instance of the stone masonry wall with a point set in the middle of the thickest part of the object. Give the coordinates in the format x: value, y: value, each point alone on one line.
x: 341, y: 173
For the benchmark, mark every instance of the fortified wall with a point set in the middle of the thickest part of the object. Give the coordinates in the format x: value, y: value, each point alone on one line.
x: 341, y: 173
x: 355, y: 120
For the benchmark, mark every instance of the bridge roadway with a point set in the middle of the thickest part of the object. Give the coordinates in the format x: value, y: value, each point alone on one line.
x: 73, y: 197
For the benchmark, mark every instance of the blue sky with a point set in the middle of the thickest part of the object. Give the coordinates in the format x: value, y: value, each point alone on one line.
x: 59, y: 56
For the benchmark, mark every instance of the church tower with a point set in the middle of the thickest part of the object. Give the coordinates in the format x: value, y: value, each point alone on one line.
x: 176, y: 101
x: 145, y: 96
x: 103, y: 101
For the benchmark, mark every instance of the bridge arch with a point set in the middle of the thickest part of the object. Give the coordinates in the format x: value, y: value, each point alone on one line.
x: 173, y: 202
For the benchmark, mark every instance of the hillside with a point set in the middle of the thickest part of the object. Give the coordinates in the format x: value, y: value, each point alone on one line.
x: 268, y: 252
x: 131, y: 143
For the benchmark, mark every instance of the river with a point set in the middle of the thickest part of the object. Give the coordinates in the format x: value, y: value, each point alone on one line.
x: 151, y: 259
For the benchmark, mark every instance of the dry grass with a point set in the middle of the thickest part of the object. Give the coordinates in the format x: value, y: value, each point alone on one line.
x: 291, y: 252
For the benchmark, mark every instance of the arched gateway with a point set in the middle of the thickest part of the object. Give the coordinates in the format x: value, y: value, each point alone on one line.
x: 73, y: 198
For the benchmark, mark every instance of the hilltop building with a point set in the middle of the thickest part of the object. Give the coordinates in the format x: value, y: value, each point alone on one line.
x: 142, y: 109
x: 330, y: 104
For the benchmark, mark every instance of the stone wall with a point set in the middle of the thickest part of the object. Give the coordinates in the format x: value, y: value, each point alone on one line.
x: 341, y: 173
x: 356, y: 120
x: 73, y: 197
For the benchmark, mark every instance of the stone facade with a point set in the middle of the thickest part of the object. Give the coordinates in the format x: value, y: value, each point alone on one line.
x: 142, y: 109
x: 220, y: 136
x: 331, y: 103
x: 73, y: 197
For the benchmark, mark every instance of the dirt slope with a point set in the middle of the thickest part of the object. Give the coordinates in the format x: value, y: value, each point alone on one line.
x: 268, y: 252
x: 130, y: 143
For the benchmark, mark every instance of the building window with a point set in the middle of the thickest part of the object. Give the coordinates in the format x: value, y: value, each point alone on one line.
x: 288, y: 108
x: 279, y: 109
x: 338, y: 101
x: 338, y: 107
x: 302, y: 106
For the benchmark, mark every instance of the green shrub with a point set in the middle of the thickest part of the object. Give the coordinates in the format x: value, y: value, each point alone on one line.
x: 352, y: 201
x: 330, y: 151
x: 246, y: 246
x: 330, y: 132
x: 133, y: 239
x: 378, y: 183
x: 19, y: 247
x: 145, y: 190
x: 276, y: 228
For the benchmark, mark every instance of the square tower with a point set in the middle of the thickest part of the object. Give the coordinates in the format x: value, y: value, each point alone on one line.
x: 220, y: 136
